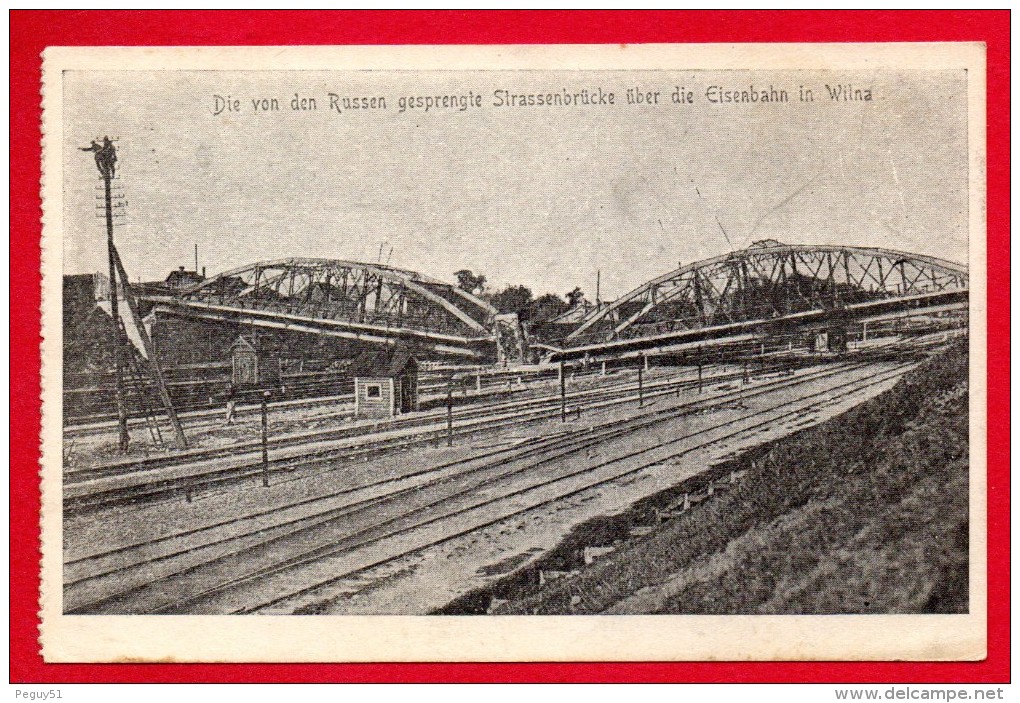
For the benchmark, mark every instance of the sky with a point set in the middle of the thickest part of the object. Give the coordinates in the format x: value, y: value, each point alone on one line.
x: 540, y: 196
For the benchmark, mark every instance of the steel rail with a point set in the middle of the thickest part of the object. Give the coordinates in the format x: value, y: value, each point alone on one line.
x: 544, y: 409
x: 85, y: 474
x: 866, y: 383
x: 570, y: 446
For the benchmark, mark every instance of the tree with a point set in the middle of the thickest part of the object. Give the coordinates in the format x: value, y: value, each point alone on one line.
x: 575, y: 297
x: 547, y: 306
x: 516, y: 299
x: 468, y: 281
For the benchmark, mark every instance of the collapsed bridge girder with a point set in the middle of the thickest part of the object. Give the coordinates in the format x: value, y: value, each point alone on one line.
x: 754, y: 288
x: 768, y: 280
x: 372, y: 303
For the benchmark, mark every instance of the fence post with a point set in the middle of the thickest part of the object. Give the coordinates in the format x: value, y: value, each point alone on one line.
x: 563, y: 393
x: 449, y: 413
x: 265, y: 439
x: 699, y: 371
x: 640, y: 386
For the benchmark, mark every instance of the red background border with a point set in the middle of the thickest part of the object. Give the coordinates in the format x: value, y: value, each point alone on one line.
x: 32, y: 31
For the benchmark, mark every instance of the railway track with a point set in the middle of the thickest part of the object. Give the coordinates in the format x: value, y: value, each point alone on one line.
x: 93, y: 410
x: 83, y: 489
x: 205, y: 416
x: 186, y: 572
x: 340, y: 406
x: 185, y: 474
x: 194, y: 400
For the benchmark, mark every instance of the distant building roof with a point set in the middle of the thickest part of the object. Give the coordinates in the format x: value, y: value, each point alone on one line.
x: 81, y: 277
x: 182, y: 279
x: 91, y: 286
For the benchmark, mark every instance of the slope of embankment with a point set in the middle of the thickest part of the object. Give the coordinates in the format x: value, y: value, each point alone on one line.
x: 866, y: 513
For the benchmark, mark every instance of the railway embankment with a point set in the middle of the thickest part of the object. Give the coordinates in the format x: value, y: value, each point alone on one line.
x: 865, y: 513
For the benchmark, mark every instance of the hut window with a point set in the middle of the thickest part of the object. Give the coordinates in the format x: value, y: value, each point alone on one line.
x: 373, y: 390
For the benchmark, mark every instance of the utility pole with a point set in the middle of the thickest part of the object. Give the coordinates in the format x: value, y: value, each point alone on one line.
x: 106, y: 159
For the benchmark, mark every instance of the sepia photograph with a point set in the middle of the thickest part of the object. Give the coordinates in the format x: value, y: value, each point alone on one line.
x: 476, y: 334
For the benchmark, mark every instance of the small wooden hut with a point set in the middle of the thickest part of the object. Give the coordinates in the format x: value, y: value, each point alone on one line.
x: 385, y: 383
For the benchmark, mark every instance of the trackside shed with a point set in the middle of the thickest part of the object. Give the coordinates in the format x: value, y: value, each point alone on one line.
x: 385, y: 384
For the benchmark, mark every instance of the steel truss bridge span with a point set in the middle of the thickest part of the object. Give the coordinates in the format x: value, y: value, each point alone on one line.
x: 367, y: 302
x: 771, y: 286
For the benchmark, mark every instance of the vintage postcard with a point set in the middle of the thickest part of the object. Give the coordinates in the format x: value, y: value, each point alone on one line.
x: 514, y: 353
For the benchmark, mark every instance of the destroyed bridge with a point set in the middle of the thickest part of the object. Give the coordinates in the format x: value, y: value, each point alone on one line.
x: 767, y: 289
